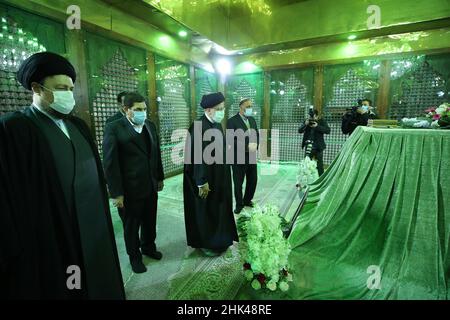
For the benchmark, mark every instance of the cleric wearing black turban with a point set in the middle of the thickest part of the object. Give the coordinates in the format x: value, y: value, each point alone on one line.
x: 208, y: 211
x: 56, y: 235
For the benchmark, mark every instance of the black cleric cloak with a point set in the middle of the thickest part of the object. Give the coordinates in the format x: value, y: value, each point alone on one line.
x: 209, y: 222
x: 41, y: 234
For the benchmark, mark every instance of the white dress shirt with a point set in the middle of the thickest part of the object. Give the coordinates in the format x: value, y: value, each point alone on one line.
x: 137, y: 128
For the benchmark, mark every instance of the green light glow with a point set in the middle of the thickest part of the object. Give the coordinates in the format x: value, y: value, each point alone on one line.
x: 351, y: 37
x: 182, y: 33
x: 165, y: 41
x: 350, y: 49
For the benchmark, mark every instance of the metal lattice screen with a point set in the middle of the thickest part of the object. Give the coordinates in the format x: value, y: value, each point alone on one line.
x: 345, y: 93
x: 19, y: 39
x: 291, y: 95
x: 172, y: 88
x: 205, y: 83
x: 245, y: 86
x: 118, y: 76
x: 113, y: 67
x: 418, y: 90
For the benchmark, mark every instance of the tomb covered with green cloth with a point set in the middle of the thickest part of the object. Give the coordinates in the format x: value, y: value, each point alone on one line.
x: 376, y: 225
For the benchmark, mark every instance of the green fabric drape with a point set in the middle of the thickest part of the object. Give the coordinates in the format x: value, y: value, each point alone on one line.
x: 384, y: 201
x: 50, y: 34
x: 100, y: 51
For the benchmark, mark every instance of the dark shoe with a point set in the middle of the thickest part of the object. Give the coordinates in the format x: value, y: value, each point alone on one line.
x: 238, y: 210
x: 137, y: 266
x: 153, y: 254
x: 249, y: 204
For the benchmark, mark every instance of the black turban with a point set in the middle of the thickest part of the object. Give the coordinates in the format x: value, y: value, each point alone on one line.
x: 212, y: 100
x: 42, y: 65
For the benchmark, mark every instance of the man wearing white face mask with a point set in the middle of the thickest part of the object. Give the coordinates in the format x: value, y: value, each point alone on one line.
x: 55, y: 215
x: 209, y: 219
x: 245, y: 151
x: 133, y: 169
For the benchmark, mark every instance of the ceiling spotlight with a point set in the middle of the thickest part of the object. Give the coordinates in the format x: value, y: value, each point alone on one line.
x: 223, y: 66
x: 182, y: 33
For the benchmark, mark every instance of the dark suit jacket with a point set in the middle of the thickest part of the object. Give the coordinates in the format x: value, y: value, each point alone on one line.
x: 235, y: 123
x: 130, y: 171
x: 352, y: 119
x: 315, y: 134
x: 117, y: 116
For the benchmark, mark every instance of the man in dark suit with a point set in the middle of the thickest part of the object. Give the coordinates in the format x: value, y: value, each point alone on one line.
x: 246, y: 141
x: 313, y: 130
x: 134, y: 172
x: 357, y: 116
x: 55, y: 222
x: 120, y: 105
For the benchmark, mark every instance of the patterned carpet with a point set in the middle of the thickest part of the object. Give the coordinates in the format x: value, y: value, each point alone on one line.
x: 185, y: 273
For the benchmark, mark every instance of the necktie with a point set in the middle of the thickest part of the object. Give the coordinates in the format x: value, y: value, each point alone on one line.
x: 247, y: 123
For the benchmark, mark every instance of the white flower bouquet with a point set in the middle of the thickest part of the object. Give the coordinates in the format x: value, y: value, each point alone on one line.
x: 307, y: 172
x: 264, y: 250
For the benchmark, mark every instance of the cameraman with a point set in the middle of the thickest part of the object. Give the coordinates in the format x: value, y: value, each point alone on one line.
x: 357, y: 116
x: 313, y: 130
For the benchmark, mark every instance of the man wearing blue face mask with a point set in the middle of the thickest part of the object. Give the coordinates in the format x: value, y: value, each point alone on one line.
x: 55, y: 220
x: 245, y: 151
x: 134, y: 172
x: 357, y: 116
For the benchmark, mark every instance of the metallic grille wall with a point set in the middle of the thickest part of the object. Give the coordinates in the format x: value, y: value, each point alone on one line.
x: 245, y: 86
x: 173, y: 107
x: 288, y: 113
x: 425, y: 88
x: 16, y: 45
x: 117, y: 76
x: 205, y: 83
x: 346, y: 92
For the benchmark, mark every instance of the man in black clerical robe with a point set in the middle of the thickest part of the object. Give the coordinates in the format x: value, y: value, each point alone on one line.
x: 208, y: 211
x: 56, y: 239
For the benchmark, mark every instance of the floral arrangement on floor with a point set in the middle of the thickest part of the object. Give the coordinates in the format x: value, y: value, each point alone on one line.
x: 307, y: 172
x: 434, y: 118
x: 263, y: 248
x: 440, y: 116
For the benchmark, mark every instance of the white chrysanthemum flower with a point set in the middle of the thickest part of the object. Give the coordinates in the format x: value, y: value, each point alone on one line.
x: 272, y: 285
x: 289, y: 277
x: 441, y: 109
x: 435, y: 124
x: 248, y: 274
x: 256, y: 285
x: 284, y: 286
